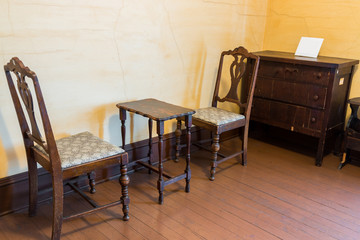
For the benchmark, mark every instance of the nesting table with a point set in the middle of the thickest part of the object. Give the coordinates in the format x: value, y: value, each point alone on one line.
x: 160, y: 112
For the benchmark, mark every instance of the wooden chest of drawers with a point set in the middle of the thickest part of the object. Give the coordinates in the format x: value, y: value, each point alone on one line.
x: 305, y: 95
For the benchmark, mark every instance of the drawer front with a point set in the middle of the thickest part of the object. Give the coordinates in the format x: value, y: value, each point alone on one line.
x: 264, y: 87
x: 288, y: 116
x: 316, y: 75
x: 295, y: 73
x: 271, y: 69
x: 307, y: 74
x: 291, y: 92
x: 316, y: 119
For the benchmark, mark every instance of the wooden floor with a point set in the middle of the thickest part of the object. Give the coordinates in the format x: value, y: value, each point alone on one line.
x: 279, y: 195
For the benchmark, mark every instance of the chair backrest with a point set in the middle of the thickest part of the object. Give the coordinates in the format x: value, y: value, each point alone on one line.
x: 29, y: 126
x: 243, y: 70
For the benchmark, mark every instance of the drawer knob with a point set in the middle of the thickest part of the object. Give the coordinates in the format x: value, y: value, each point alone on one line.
x: 313, y: 119
x: 278, y: 71
x: 317, y: 75
x: 316, y: 97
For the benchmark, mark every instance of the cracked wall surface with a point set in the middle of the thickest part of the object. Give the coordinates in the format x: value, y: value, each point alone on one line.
x: 90, y: 55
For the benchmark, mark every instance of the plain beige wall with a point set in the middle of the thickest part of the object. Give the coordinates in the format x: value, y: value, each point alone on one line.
x: 90, y: 55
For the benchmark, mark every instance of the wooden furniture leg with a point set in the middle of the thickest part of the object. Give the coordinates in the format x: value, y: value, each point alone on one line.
x: 150, y: 142
x: 124, y: 181
x: 91, y: 177
x: 178, y: 140
x: 160, y: 186
x: 188, y: 123
x: 123, y: 128
x: 58, y: 195
x: 215, y: 147
x: 33, y: 184
x: 320, y: 151
x: 244, y: 144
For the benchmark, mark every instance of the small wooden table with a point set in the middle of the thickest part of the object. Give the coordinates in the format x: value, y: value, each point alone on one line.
x: 160, y: 112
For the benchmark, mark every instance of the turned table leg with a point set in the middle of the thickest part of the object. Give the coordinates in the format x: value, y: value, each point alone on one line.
x: 188, y: 123
x: 160, y: 185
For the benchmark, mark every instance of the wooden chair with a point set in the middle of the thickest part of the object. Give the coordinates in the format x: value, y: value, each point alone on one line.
x: 65, y: 158
x: 351, y: 139
x: 243, y: 68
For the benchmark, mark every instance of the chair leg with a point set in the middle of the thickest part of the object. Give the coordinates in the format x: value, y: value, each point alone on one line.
x: 343, y: 160
x: 343, y: 150
x: 33, y: 185
x: 124, y: 181
x: 244, y: 145
x: 178, y: 136
x: 91, y: 177
x: 58, y: 198
x: 215, y: 147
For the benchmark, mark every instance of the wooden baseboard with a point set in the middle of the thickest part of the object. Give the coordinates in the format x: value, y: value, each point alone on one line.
x: 14, y: 189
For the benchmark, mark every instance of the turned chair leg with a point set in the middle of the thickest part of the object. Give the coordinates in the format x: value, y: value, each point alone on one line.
x: 178, y: 138
x: 33, y: 186
x: 58, y: 198
x: 215, y: 147
x: 91, y: 177
x: 124, y: 181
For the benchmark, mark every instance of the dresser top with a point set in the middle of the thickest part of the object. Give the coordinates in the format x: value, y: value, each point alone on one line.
x: 320, y: 61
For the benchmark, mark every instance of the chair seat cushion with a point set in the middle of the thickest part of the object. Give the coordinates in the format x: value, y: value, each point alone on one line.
x: 217, y: 116
x: 82, y: 148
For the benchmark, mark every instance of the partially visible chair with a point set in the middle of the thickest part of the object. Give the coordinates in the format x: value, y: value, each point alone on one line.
x: 351, y: 139
x: 65, y: 158
x: 243, y: 72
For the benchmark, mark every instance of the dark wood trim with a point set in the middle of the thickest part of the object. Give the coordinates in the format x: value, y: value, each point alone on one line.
x: 14, y: 189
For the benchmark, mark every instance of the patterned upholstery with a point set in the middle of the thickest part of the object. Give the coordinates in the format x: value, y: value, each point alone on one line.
x: 82, y: 148
x: 216, y: 116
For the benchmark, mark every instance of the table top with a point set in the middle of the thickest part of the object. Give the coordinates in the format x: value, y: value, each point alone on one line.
x: 155, y: 109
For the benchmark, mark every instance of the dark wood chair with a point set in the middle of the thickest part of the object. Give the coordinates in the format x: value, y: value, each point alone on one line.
x: 65, y: 158
x: 243, y: 72
x: 351, y: 139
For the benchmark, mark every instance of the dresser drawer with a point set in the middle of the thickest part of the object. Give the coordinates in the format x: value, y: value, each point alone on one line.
x: 288, y: 116
x: 271, y: 70
x: 264, y: 87
x: 291, y: 92
x: 294, y: 73
x: 316, y: 75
